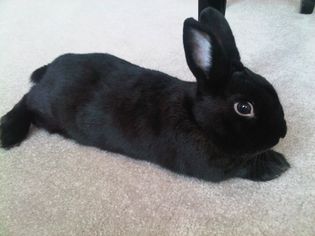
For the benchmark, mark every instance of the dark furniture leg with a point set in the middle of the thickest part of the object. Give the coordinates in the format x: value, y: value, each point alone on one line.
x: 307, y: 6
x: 220, y: 5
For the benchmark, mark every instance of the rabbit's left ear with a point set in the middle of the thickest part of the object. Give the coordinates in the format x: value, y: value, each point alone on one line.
x: 210, y: 49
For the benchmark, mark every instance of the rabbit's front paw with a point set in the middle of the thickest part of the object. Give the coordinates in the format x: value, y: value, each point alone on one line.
x: 266, y: 166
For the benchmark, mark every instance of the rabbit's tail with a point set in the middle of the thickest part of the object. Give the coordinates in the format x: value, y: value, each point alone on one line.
x: 14, y: 126
x: 38, y: 74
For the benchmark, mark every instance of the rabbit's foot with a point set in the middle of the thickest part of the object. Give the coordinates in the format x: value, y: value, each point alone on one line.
x: 265, y: 166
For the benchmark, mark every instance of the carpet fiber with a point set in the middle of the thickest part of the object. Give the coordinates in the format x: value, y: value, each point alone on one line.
x: 53, y: 186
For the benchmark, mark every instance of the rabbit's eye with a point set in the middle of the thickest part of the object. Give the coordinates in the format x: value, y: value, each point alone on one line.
x: 244, y: 109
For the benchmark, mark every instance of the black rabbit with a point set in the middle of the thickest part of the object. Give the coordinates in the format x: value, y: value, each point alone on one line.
x: 223, y: 126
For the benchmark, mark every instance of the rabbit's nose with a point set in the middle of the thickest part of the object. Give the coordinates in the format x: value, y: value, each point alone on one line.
x: 283, y: 129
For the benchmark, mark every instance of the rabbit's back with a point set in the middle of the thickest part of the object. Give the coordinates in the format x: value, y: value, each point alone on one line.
x: 103, y: 101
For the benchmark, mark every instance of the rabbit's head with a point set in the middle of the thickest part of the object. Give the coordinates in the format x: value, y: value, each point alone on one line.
x: 239, y: 110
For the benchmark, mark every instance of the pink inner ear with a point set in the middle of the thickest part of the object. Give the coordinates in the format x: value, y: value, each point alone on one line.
x: 202, y: 50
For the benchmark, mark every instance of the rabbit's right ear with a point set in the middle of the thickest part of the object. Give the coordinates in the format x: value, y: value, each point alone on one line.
x: 210, y: 49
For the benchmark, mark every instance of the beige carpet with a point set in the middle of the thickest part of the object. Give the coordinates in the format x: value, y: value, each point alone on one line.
x: 52, y: 186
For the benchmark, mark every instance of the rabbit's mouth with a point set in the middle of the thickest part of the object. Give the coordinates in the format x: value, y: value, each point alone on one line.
x: 281, y: 133
x: 262, y: 149
x: 273, y: 142
x: 270, y: 144
x: 258, y: 149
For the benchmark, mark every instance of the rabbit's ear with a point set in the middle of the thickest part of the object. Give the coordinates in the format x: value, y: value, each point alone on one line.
x: 210, y: 49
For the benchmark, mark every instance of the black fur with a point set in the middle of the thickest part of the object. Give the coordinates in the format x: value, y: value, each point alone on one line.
x: 190, y: 128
